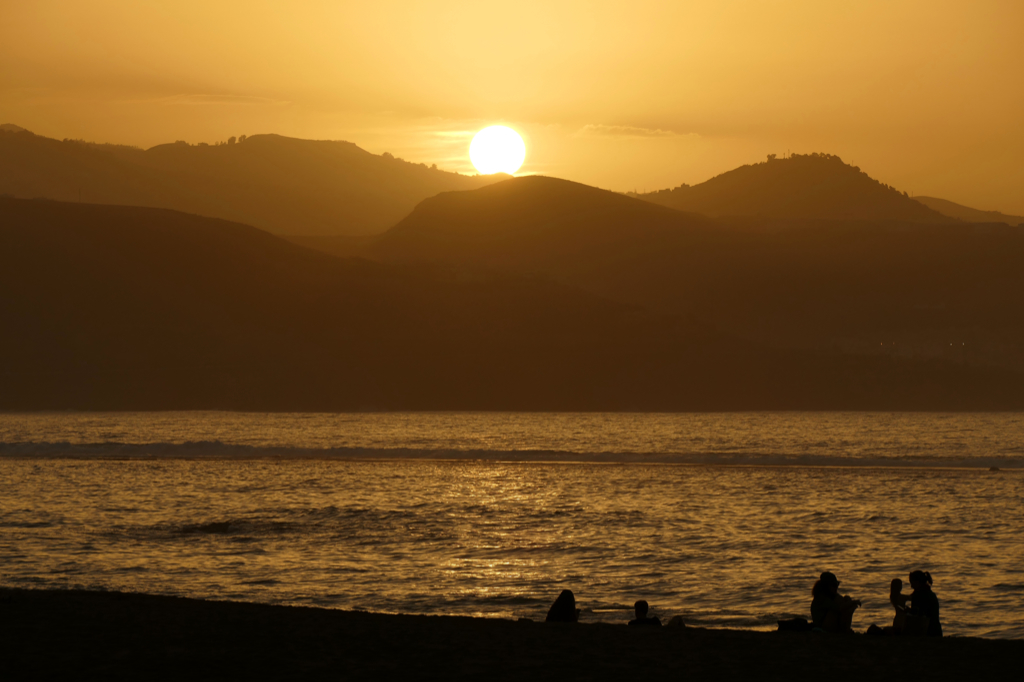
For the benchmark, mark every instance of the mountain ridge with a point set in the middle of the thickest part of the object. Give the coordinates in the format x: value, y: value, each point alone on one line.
x: 968, y: 214
x: 802, y: 186
x: 856, y: 286
x: 285, y: 185
x: 505, y: 218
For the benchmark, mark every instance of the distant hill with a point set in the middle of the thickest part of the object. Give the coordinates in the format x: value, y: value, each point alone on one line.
x: 601, y: 241
x: 971, y: 215
x: 532, y: 223
x: 281, y: 184
x: 126, y: 308
x: 802, y: 186
x: 850, y: 286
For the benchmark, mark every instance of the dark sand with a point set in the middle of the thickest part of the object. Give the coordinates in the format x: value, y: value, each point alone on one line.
x: 98, y: 635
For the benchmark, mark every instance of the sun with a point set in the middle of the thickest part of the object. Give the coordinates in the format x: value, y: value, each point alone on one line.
x: 497, y: 149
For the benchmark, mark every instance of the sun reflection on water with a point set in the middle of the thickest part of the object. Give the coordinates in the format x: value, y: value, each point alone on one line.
x: 719, y: 545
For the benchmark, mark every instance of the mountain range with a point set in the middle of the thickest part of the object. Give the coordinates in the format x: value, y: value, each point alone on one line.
x: 112, y: 307
x: 322, y: 189
x: 877, y: 287
x: 516, y: 293
x: 280, y: 184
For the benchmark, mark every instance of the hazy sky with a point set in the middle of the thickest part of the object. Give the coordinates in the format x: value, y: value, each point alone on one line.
x: 927, y: 96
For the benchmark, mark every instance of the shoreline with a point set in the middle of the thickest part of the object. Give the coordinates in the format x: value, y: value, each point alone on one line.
x: 82, y: 634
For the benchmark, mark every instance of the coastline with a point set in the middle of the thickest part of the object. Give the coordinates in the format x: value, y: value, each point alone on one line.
x: 80, y: 635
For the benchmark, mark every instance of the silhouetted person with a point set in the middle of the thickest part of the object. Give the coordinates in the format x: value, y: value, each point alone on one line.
x: 899, y: 602
x: 923, y: 601
x: 564, y: 609
x: 831, y: 611
x: 641, y: 608
x: 896, y: 596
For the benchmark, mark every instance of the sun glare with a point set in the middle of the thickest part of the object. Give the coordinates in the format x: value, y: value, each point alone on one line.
x: 497, y: 149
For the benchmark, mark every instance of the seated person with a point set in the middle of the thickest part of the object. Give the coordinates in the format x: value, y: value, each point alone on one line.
x: 896, y: 596
x: 899, y: 602
x: 564, y: 609
x: 830, y: 611
x: 641, y: 615
x: 924, y: 603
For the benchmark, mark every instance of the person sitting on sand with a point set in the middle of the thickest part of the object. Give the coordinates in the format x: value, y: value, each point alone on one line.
x: 923, y: 601
x: 641, y: 615
x: 899, y: 602
x: 830, y: 611
x: 564, y: 609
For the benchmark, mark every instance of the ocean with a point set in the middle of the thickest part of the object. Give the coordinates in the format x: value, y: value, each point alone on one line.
x: 724, y: 519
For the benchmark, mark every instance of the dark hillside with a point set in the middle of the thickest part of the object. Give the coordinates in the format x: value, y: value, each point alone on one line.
x: 801, y: 186
x: 108, y: 307
x: 530, y: 222
x: 123, y: 307
x: 876, y: 287
x: 281, y: 184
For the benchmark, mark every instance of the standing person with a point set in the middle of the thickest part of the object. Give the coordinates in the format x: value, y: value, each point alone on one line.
x: 829, y: 610
x: 923, y: 601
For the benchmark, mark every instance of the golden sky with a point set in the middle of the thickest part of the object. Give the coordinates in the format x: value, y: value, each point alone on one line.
x: 927, y: 96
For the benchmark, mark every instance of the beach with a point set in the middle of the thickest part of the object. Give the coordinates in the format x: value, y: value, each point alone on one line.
x: 59, y: 634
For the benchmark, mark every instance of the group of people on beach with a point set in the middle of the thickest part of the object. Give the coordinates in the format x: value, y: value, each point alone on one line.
x: 916, y: 613
x: 564, y: 611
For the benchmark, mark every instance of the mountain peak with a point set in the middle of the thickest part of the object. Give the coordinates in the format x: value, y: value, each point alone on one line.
x: 817, y: 186
x: 526, y: 220
x: 528, y: 204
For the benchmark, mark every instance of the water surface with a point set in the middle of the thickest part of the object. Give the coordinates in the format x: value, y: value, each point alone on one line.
x: 439, y: 513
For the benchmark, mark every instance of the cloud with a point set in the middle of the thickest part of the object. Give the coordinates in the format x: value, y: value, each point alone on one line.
x: 598, y: 129
x: 457, y: 134
x: 220, y: 99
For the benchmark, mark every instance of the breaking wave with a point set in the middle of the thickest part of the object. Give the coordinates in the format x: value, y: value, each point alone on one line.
x: 215, y: 449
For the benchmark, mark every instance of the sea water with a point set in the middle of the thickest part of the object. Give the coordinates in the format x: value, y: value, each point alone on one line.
x: 724, y: 519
